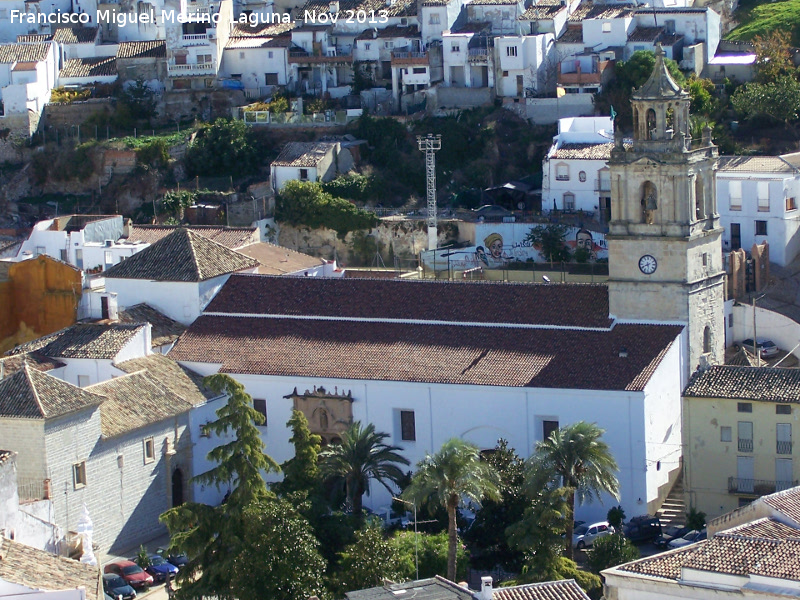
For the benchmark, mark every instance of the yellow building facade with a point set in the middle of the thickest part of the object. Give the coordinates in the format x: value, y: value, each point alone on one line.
x: 738, y: 425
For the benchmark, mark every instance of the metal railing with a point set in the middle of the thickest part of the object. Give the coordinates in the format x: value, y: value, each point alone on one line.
x: 757, y: 487
x: 783, y: 447
x: 476, y: 53
x: 192, y: 69
x: 409, y: 54
x: 194, y: 39
x: 745, y: 445
x: 31, y: 489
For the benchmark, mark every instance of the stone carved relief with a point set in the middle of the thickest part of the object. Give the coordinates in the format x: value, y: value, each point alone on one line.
x: 329, y: 414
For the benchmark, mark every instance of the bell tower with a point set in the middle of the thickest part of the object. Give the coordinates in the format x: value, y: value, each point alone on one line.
x: 664, y: 242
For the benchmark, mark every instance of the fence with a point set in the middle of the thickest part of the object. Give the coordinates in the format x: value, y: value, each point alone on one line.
x: 31, y: 489
x: 265, y: 117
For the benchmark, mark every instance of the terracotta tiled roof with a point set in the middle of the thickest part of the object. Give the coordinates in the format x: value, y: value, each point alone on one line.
x: 134, y: 401
x: 451, y: 354
x: 732, y: 555
x: 784, y: 563
x: 589, y: 10
x: 764, y: 528
x: 75, y: 35
x: 11, y: 364
x: 742, y: 359
x: 183, y: 255
x: 146, y: 49
x: 400, y: 8
x: 566, y: 589
x: 90, y: 67
x: 786, y: 502
x: 179, y: 380
x: 666, y: 565
x: 83, y: 340
x: 487, y: 2
x: 164, y: 329
x: 575, y: 305
x: 39, y: 570
x: 435, y: 2
x: 31, y: 394
x: 541, y: 12
x: 10, y: 53
x: 572, y: 35
x: 584, y: 151
x: 392, y: 31
x: 230, y: 237
x: 764, y: 384
x: 645, y: 34
x: 754, y: 164
x: 262, y: 30
x: 277, y: 260
x: 34, y: 38
x: 303, y: 154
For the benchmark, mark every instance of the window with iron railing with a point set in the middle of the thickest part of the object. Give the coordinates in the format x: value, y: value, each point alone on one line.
x: 745, y: 436
x: 783, y: 435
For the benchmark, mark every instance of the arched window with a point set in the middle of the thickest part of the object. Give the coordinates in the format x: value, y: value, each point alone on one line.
x: 699, y: 198
x: 707, y: 340
x: 582, y: 176
x: 651, y: 124
x: 636, y: 124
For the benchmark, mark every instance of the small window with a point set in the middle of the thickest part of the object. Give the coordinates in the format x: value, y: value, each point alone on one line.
x: 505, y: 73
x: 582, y: 176
x: 562, y: 172
x: 730, y: 320
x: 761, y: 228
x: 388, y: 44
x: 83, y: 380
x: 260, y: 404
x: 408, y: 427
x: 745, y: 407
x: 725, y: 434
x: 108, y: 257
x: 511, y: 50
x: 303, y: 174
x: 791, y: 203
x: 548, y: 427
x: 783, y: 409
x: 270, y: 54
x: 569, y: 201
x: 420, y: 70
x: 241, y: 54
x: 79, y: 475
x: 40, y: 250
x: 367, y: 46
x: 455, y: 48
x: 607, y: 27
x: 434, y: 20
x: 149, y: 450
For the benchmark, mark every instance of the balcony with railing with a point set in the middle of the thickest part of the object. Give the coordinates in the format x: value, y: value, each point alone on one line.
x: 574, y: 72
x: 30, y: 490
x: 332, y: 55
x: 783, y: 447
x: 745, y: 445
x: 189, y: 70
x: 478, y: 55
x: 757, y: 487
x: 406, y: 57
x: 194, y: 39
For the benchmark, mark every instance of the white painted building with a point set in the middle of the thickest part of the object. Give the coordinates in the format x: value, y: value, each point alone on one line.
x: 28, y: 73
x: 758, y: 199
x: 695, y: 24
x: 20, y: 22
x: 438, y: 16
x: 258, y: 57
x: 309, y: 161
x: 575, y: 173
x: 467, y: 56
x: 522, y: 62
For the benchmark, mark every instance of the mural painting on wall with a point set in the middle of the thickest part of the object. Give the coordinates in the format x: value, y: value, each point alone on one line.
x: 498, y: 245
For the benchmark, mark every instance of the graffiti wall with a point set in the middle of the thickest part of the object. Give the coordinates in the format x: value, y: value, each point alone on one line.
x: 496, y: 245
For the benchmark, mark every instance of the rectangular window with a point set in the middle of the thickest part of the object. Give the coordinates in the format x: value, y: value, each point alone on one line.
x: 420, y: 70
x: 761, y: 228
x: 562, y: 173
x: 730, y: 320
x: 569, y: 201
x: 40, y: 250
x: 389, y: 44
x: 725, y: 434
x: 783, y: 409
x: 735, y: 194
x: 83, y: 380
x: 260, y: 404
x: 607, y: 27
x: 763, y: 196
x: 745, y: 436
x: 548, y: 427
x: 511, y: 50
x: 455, y: 48
x: 783, y: 436
x: 705, y: 259
x: 783, y: 474
x: 367, y: 46
x: 79, y: 475
x: 434, y: 20
x: 791, y: 203
x: 270, y: 54
x: 108, y: 257
x: 241, y: 54
x: 744, y: 407
x: 203, y: 59
x: 149, y: 450
x: 408, y: 427
x: 303, y: 174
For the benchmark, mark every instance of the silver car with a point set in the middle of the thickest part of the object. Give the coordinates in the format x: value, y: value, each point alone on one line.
x: 584, y: 535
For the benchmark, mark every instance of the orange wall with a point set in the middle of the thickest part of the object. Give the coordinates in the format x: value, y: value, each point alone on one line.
x: 44, y: 297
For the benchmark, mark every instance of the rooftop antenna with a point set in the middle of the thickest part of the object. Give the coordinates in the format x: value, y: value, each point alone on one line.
x: 431, y: 144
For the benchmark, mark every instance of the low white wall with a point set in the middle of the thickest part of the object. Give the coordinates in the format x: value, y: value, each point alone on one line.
x: 771, y: 325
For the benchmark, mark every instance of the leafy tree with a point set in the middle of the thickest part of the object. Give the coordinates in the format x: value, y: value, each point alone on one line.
x: 615, y: 517
x: 773, y: 60
x: 779, y: 101
x: 695, y: 519
x: 551, y: 240
x: 139, y: 100
x: 301, y: 472
x: 306, y: 203
x: 352, y: 186
x: 154, y: 153
x: 487, y: 532
x: 610, y: 551
x: 432, y: 550
x: 367, y: 562
x: 577, y: 457
x: 454, y: 474
x: 362, y: 455
x: 143, y: 558
x: 701, y: 95
x: 177, y: 201
x: 225, y: 147
x: 212, y: 535
x: 278, y: 557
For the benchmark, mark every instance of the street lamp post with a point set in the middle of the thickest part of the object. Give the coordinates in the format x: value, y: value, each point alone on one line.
x: 416, y: 548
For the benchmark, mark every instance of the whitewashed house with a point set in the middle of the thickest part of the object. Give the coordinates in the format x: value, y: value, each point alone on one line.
x: 695, y: 24
x: 258, y: 57
x: 467, y: 56
x: 28, y: 73
x: 30, y: 17
x: 757, y: 197
x: 309, y: 161
x: 373, y: 48
x: 438, y: 16
x: 419, y: 360
x: 502, y: 14
x: 575, y: 175
x: 318, y: 63
x: 522, y: 63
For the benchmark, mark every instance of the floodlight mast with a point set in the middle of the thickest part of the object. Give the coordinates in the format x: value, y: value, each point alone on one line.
x: 430, y: 144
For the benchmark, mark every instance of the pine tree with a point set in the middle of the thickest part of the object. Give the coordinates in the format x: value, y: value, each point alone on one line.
x: 301, y: 473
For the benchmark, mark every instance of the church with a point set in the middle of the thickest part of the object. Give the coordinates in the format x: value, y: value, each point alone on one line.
x: 425, y: 360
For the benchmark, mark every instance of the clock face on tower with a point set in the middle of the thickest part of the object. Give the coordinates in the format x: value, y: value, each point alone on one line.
x: 648, y: 264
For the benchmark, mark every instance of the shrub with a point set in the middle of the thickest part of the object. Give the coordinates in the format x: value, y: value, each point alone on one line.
x: 61, y: 94
x: 154, y: 153
x: 223, y: 148
x: 610, y: 551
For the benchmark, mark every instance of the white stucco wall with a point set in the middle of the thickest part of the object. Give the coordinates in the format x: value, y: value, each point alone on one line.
x: 785, y: 332
x: 177, y: 300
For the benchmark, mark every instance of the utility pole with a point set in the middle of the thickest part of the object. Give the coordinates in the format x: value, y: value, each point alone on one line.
x: 431, y: 144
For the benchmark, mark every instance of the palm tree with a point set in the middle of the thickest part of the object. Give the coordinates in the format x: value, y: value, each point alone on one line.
x: 582, y: 462
x: 452, y: 475
x: 362, y: 455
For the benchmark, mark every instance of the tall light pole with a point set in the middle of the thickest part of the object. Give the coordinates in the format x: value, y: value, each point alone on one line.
x: 430, y: 144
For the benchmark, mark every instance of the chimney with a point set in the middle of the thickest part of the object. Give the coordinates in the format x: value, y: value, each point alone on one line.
x: 333, y: 7
x: 486, y: 588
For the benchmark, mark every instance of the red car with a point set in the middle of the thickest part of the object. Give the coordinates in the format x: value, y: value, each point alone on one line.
x: 133, y: 574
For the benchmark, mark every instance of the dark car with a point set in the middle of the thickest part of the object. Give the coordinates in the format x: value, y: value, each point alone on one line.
x: 160, y: 567
x: 642, y: 529
x: 177, y: 559
x: 670, y: 533
x: 130, y: 572
x: 116, y: 587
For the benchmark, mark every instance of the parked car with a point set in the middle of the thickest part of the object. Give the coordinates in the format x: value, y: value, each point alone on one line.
x: 642, y: 529
x: 584, y: 535
x: 765, y: 347
x: 132, y: 573
x: 179, y: 560
x: 670, y: 533
x: 160, y: 567
x: 690, y: 538
x: 116, y: 587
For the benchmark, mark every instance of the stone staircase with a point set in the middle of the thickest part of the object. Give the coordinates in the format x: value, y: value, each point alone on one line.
x: 673, y: 511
